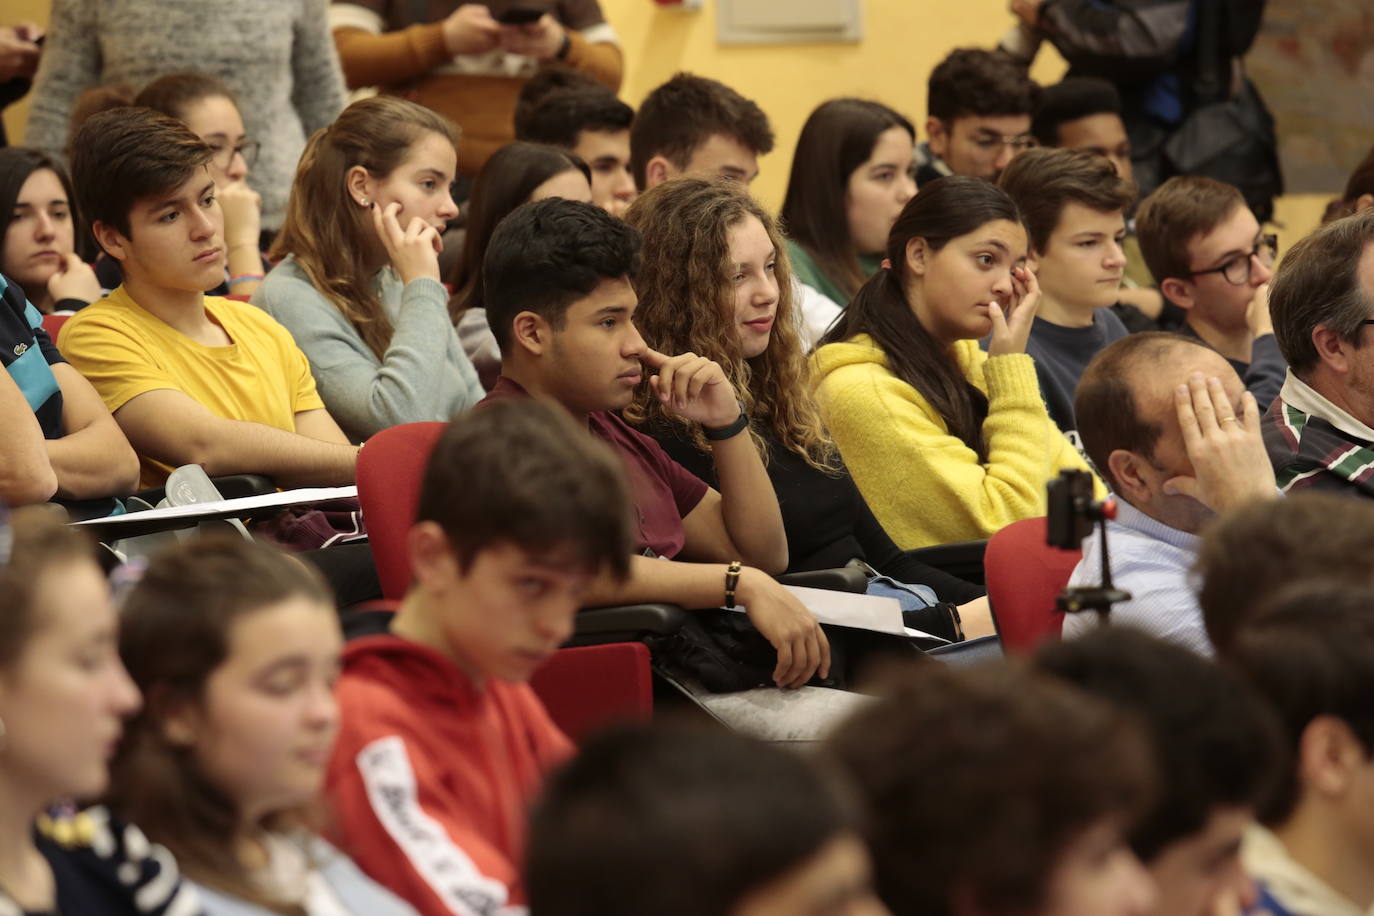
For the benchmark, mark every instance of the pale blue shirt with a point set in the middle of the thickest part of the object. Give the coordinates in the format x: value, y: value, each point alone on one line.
x: 1153, y: 562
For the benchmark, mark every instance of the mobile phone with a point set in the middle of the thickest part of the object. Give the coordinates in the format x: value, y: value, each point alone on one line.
x: 521, y: 15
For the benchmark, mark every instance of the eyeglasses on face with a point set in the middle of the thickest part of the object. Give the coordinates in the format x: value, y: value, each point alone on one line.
x: 223, y: 156
x: 1237, y: 269
x: 1019, y: 143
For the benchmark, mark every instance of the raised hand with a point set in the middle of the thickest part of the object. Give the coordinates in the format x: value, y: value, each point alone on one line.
x: 242, y: 208
x: 74, y: 280
x: 788, y: 626
x: 414, y: 250
x: 1257, y: 315
x: 1230, y: 465
x: 1011, y: 328
x: 693, y: 387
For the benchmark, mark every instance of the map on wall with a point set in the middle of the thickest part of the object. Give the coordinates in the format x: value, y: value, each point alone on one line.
x: 1314, y: 64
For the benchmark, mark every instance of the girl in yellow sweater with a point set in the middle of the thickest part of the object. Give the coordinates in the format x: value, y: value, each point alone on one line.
x: 946, y: 442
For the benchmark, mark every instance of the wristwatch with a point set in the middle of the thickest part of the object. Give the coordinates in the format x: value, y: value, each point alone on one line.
x: 721, y: 433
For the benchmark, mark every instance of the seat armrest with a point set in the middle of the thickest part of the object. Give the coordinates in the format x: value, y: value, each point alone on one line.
x: 626, y: 623
x: 839, y: 579
x: 963, y: 559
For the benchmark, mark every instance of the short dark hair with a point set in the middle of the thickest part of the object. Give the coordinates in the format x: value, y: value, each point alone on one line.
x: 674, y: 822
x: 126, y: 155
x: 505, y: 181
x: 975, y: 780
x: 978, y: 82
x: 1318, y: 283
x: 1043, y: 182
x: 1214, y: 742
x: 1248, y: 555
x: 1069, y: 100
x: 1311, y: 654
x: 682, y: 114
x: 547, y: 80
x: 521, y: 472
x: 563, y: 114
x: 1175, y: 214
x: 546, y: 255
x: 1105, y: 405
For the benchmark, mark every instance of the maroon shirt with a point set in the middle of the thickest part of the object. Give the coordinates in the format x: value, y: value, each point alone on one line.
x: 664, y: 491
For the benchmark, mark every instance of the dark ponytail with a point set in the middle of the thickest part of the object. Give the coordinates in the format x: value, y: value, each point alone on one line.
x: 943, y: 210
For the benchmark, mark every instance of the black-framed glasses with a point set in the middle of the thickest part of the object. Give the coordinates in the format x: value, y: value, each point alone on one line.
x: 1237, y: 270
x: 223, y: 156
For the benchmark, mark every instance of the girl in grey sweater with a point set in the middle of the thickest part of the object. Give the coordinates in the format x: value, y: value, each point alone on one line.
x: 358, y: 286
x: 276, y: 55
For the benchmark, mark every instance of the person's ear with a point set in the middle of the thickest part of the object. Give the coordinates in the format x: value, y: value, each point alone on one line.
x: 531, y: 332
x: 1180, y: 292
x: 360, y: 185
x: 1127, y: 469
x: 111, y: 240
x: 918, y: 256
x: 1328, y: 756
x: 1032, y: 259
x: 1332, y: 349
x: 179, y: 720
x: 432, y: 561
x: 1364, y: 202
x: 937, y: 136
x: 657, y: 171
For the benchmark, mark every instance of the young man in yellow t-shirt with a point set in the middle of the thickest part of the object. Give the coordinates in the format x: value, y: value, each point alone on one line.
x: 190, y: 379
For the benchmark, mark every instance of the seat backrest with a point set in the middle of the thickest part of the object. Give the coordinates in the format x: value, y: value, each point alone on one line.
x: 1025, y: 576
x: 53, y: 325
x: 390, y: 469
x: 591, y: 687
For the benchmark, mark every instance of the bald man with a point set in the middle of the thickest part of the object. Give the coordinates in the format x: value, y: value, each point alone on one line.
x: 1171, y: 428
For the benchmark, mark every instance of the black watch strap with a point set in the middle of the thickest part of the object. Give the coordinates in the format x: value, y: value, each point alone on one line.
x: 721, y: 433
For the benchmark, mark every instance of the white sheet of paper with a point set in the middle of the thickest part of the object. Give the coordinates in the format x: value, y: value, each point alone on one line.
x: 847, y: 609
x: 229, y: 506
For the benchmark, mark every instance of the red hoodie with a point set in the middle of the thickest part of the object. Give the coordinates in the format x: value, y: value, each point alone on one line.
x: 431, y: 777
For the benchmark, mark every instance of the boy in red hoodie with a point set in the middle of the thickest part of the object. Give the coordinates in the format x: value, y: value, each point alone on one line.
x: 442, y: 743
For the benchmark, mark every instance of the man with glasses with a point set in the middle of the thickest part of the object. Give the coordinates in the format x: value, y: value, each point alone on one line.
x: 1213, y: 260
x: 1320, y: 430
x: 980, y: 105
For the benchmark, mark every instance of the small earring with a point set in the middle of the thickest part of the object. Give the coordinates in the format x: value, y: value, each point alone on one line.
x: 364, y: 202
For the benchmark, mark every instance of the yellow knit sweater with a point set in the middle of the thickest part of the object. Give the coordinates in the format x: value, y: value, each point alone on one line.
x: 924, y: 484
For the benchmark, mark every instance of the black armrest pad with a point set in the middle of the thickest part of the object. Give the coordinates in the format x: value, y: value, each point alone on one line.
x: 963, y: 558
x: 627, y: 623
x: 840, y: 579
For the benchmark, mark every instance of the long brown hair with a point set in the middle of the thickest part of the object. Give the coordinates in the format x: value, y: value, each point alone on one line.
x: 686, y: 304
x: 329, y: 235
x: 174, y: 632
x: 837, y: 138
x: 945, y: 209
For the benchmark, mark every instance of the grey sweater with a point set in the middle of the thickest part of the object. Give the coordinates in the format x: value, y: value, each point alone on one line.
x: 276, y: 55
x: 424, y: 374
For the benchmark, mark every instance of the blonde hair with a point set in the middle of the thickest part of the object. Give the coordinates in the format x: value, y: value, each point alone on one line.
x: 329, y: 235
x: 686, y: 303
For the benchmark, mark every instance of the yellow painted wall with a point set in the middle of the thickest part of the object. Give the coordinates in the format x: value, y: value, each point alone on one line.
x: 902, y: 41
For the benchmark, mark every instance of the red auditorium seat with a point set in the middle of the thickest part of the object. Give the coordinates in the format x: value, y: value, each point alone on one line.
x: 1024, y: 577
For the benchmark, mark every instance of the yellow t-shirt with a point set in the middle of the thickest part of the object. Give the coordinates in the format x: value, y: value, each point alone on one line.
x: 261, y: 377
